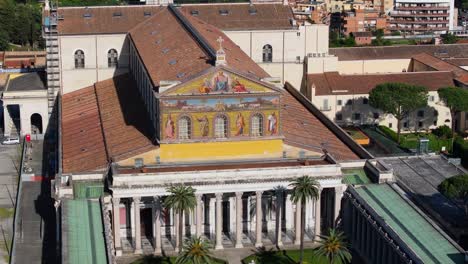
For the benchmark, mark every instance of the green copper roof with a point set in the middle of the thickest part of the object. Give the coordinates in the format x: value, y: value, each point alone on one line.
x: 86, y: 190
x: 426, y: 241
x: 85, y: 235
x: 355, y: 176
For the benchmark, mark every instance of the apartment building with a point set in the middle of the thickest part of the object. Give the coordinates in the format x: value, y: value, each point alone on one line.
x: 422, y: 17
x: 363, y: 20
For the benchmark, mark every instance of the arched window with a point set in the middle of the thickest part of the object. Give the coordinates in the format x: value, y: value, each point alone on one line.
x: 79, y: 59
x: 221, y: 126
x: 185, y: 127
x: 267, y: 53
x: 112, y: 58
x: 256, y: 125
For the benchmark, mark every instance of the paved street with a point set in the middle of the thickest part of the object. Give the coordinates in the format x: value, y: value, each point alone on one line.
x: 9, y: 157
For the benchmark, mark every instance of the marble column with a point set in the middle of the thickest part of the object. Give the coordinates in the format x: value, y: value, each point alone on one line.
x: 317, y: 216
x: 297, y: 239
x: 136, y: 205
x: 338, y: 196
x: 288, y: 212
x: 176, y: 231
x: 239, y: 220
x: 199, y: 216
x: 219, y: 221
x: 258, y: 229
x: 279, y: 213
x: 157, y: 225
x: 116, y: 219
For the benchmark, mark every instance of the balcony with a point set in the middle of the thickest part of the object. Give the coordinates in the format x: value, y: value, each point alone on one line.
x: 421, y: 14
x: 410, y: 8
x: 403, y: 21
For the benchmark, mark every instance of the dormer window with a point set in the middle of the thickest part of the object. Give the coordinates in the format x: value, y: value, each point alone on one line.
x: 252, y: 11
x: 194, y: 12
x: 87, y: 15
x: 147, y: 13
x: 224, y: 12
x: 117, y: 14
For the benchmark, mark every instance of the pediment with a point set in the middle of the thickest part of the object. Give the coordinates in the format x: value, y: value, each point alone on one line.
x: 220, y: 80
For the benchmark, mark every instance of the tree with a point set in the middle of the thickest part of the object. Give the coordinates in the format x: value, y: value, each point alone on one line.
x: 456, y: 99
x: 181, y: 200
x: 4, y: 40
x: 332, y: 249
x: 456, y: 188
x: 449, y: 38
x: 304, y: 188
x: 398, y: 99
x: 195, y: 251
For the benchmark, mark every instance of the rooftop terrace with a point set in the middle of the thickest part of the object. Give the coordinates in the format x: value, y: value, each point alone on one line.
x: 426, y: 241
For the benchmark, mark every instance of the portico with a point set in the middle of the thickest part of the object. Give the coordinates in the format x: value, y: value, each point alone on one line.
x: 226, y: 212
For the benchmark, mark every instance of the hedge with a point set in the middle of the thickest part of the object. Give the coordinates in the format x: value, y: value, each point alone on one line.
x: 389, y: 132
x: 460, y: 149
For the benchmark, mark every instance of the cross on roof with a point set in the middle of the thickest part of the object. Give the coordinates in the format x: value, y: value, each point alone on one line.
x: 220, y: 40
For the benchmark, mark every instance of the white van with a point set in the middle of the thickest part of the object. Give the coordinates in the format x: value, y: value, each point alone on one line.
x: 11, y: 141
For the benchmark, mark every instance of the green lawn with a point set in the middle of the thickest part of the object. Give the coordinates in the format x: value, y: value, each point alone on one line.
x: 149, y: 259
x: 281, y: 257
x: 6, y: 213
x: 410, y: 141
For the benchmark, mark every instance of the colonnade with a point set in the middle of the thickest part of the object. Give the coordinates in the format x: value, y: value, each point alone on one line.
x: 201, y: 218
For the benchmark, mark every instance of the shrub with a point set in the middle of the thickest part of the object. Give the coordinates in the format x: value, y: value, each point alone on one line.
x: 443, y: 132
x: 460, y: 149
x: 388, y: 132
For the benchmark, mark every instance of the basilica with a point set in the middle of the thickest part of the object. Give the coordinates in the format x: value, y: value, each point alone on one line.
x: 174, y: 101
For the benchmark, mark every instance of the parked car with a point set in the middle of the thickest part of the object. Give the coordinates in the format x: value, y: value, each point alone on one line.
x: 11, y: 141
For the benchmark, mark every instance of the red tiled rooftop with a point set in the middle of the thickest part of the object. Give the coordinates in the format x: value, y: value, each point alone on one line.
x: 103, y: 19
x: 441, y: 65
x: 82, y: 138
x: 103, y: 122
x: 333, y: 83
x: 266, y: 16
x: 302, y: 128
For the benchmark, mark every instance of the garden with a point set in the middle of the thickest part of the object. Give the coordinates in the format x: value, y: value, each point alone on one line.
x: 438, y: 138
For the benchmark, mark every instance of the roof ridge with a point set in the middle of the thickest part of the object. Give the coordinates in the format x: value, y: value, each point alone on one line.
x: 101, y: 125
x: 193, y: 32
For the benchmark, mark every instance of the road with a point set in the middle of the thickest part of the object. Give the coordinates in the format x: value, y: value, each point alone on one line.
x: 9, y: 158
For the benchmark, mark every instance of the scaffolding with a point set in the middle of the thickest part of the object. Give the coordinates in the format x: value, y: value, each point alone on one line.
x: 50, y: 34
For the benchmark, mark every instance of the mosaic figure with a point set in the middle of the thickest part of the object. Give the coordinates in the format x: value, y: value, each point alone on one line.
x: 240, y: 124
x: 204, y: 126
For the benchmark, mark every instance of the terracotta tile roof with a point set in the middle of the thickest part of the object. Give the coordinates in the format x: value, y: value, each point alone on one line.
x: 102, y: 122
x: 235, y: 57
x: 399, y: 52
x: 303, y: 127
x: 239, y: 17
x: 440, y: 65
x: 457, y: 61
x: 161, y: 41
x: 105, y: 19
x: 171, y: 52
x: 126, y: 124
x: 83, y: 146
x: 332, y: 83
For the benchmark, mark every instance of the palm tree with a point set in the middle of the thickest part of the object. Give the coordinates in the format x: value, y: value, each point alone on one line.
x: 304, y: 188
x: 333, y: 248
x: 181, y: 199
x: 195, y: 251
